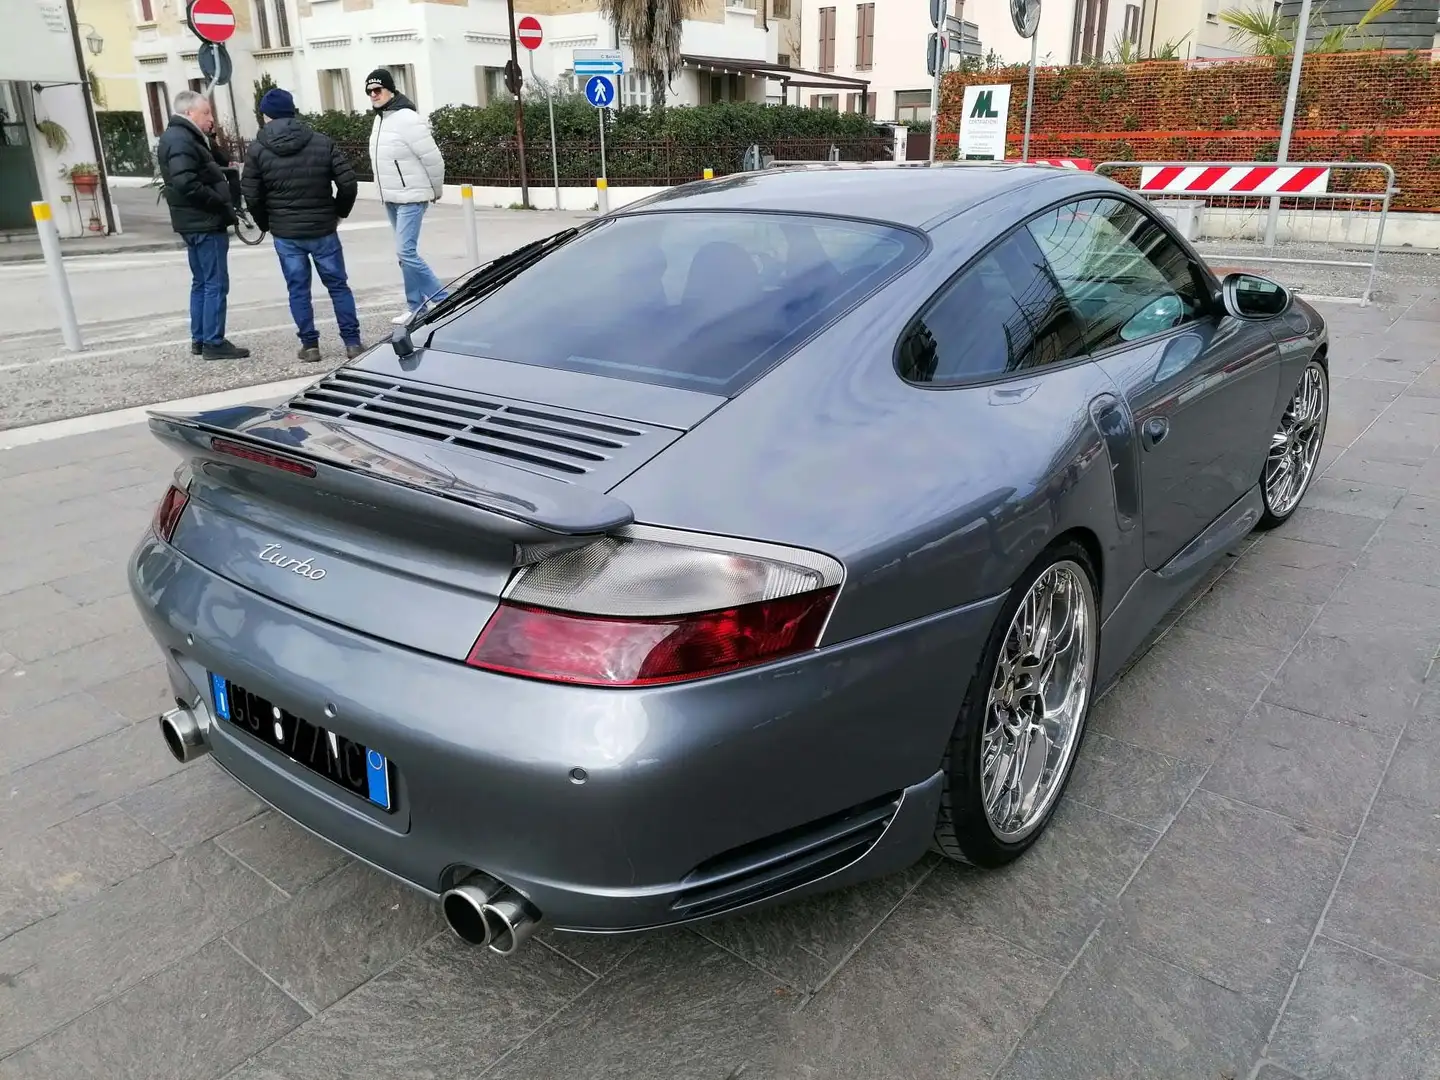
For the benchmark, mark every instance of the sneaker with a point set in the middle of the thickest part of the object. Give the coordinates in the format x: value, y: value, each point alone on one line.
x: 196, y: 348
x: 401, y: 320
x: 224, y: 351
x: 309, y: 353
x: 352, y: 351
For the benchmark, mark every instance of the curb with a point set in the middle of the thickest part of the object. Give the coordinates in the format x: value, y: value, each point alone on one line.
x: 131, y: 249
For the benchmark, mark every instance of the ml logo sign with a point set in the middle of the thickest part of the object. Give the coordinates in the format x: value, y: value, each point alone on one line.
x: 984, y: 106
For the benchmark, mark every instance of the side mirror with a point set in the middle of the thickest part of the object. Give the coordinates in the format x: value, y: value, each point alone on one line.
x: 1250, y: 296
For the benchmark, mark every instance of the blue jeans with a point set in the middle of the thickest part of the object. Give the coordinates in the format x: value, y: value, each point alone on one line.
x: 209, y: 284
x: 329, y: 259
x: 420, y: 281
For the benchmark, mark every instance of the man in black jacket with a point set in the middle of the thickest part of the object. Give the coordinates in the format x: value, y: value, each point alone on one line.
x: 298, y: 185
x: 198, y: 194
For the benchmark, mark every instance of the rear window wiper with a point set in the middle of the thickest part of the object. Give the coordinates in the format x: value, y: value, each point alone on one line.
x: 492, y: 276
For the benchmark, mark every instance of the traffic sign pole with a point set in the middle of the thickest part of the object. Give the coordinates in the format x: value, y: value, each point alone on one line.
x: 1030, y: 97
x: 1287, y: 125
x: 531, y: 36
x: 935, y: 52
x: 605, y: 180
x: 519, y: 109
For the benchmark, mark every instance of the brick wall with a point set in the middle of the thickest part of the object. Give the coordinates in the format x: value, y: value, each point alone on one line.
x: 1354, y: 106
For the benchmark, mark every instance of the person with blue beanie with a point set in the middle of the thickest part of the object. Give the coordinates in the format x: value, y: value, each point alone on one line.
x: 298, y: 185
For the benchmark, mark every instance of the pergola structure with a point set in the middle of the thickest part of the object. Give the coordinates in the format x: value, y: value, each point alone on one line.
x: 799, y: 78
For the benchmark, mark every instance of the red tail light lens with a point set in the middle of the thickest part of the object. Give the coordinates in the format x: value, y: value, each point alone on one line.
x: 261, y: 457
x: 167, y: 514
x: 599, y: 650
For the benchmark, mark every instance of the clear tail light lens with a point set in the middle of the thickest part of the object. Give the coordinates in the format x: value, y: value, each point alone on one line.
x: 167, y: 514
x: 658, y: 607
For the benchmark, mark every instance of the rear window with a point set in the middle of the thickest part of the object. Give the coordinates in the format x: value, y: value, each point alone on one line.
x: 702, y: 301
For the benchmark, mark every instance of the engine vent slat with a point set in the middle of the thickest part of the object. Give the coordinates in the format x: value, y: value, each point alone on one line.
x: 553, y: 441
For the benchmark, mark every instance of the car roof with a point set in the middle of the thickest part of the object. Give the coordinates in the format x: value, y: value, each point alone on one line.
x: 919, y: 195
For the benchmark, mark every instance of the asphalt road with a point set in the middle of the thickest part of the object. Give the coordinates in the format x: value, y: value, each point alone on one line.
x: 134, y: 311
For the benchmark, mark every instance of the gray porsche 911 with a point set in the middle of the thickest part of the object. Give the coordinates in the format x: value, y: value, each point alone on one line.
x: 743, y: 543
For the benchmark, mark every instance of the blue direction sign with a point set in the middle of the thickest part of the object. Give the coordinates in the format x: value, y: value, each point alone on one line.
x: 600, y: 92
x: 598, y: 62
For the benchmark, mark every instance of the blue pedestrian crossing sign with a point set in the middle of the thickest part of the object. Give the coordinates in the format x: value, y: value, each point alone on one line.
x: 600, y: 92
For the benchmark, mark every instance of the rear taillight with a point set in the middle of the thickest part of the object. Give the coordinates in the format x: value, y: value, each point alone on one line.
x: 658, y: 607
x: 167, y: 514
x: 261, y: 457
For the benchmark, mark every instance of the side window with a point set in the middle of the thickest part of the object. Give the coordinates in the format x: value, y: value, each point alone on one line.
x: 1123, y: 274
x: 1004, y: 314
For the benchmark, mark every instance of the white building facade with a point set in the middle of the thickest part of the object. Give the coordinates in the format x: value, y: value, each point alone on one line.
x: 884, y: 41
x: 449, y: 52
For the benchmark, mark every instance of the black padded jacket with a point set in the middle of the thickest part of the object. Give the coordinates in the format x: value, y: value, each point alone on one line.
x: 297, y: 183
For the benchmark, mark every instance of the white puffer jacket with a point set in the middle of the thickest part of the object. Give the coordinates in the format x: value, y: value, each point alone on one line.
x: 405, y: 161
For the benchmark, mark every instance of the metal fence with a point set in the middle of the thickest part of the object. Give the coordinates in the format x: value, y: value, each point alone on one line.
x: 1328, y: 217
x: 491, y: 162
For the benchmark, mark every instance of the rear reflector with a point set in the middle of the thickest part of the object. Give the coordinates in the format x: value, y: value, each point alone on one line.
x: 167, y: 514
x: 594, y: 650
x: 261, y: 457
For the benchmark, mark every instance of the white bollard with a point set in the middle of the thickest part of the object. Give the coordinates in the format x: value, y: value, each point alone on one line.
x: 472, y: 238
x: 50, y: 245
x: 602, y: 195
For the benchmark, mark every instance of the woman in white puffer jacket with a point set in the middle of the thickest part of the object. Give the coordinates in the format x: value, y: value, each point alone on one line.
x: 410, y: 173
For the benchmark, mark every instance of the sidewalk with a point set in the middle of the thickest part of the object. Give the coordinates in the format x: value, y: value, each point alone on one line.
x: 145, y: 222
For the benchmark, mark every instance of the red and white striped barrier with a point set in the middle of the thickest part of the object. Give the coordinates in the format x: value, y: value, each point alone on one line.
x: 1060, y: 162
x: 1238, y: 179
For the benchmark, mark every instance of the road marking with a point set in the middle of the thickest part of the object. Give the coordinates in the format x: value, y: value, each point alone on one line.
x: 85, y: 425
x: 96, y: 354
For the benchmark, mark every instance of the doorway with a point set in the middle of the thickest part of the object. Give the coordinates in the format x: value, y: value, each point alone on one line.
x: 19, y: 184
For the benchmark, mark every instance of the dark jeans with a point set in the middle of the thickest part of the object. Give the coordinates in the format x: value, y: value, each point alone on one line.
x: 209, y: 284
x: 329, y: 259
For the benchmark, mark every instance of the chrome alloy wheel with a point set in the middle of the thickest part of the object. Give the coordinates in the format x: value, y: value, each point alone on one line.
x: 1037, y: 700
x: 1295, y: 448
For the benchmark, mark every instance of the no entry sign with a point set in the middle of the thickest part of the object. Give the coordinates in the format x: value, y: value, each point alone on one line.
x: 212, y: 20
x: 527, y: 32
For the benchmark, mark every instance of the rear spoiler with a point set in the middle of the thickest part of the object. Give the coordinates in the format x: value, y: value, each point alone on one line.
x: 399, y: 473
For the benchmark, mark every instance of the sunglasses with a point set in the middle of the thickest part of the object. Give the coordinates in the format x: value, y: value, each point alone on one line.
x: 372, y: 91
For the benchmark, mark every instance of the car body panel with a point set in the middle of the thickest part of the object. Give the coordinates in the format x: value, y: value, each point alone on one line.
x: 599, y: 805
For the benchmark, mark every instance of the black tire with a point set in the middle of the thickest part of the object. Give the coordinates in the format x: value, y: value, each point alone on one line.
x: 963, y: 831
x: 1271, y: 518
x: 248, y: 232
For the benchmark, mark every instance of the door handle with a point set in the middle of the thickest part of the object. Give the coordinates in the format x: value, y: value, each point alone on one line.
x: 1154, y: 429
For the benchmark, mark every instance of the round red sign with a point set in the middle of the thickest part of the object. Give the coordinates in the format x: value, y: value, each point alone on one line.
x: 527, y: 32
x: 212, y: 20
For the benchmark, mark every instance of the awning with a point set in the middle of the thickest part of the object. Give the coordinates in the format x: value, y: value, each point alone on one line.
x: 791, y: 76
x: 36, y: 45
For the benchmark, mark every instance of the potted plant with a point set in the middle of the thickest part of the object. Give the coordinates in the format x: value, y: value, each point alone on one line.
x: 85, y: 177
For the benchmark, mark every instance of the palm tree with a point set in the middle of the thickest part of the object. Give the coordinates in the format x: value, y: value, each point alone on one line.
x: 652, y: 28
x: 1268, y: 34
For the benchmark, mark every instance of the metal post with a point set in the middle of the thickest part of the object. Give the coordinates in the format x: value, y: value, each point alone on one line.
x: 90, y: 119
x: 50, y: 245
x: 1302, y: 28
x: 602, y: 195
x: 601, y: 113
x: 1379, y: 238
x: 472, y: 236
x: 519, y: 108
x: 1029, y: 97
x: 935, y: 98
x: 549, y: 101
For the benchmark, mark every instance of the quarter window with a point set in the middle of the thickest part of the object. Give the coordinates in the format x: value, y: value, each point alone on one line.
x: 1123, y: 274
x: 1005, y: 314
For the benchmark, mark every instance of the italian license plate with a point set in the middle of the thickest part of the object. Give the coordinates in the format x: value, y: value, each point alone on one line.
x: 360, y: 770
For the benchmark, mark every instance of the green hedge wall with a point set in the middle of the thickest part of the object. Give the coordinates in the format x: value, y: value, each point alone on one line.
x: 656, y: 146
x: 125, y: 144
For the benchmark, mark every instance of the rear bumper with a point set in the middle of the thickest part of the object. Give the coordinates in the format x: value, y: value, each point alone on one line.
x: 676, y: 779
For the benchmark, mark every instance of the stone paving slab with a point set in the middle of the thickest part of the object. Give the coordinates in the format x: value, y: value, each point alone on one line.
x: 1240, y: 883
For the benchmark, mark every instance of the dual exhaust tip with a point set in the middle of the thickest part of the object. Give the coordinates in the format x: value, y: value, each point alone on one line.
x: 482, y: 911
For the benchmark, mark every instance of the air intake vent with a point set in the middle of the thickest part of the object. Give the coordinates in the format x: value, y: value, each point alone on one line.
x: 555, y: 442
x: 785, y: 860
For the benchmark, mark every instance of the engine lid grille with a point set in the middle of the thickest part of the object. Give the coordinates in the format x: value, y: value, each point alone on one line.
x: 559, y: 443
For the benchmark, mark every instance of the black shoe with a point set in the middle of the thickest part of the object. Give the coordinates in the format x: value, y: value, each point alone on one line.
x: 196, y: 348
x: 224, y: 351
x: 352, y: 351
x: 309, y: 353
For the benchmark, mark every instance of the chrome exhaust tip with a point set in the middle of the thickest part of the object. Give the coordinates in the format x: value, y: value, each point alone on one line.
x: 464, y: 907
x: 182, y: 734
x: 511, y: 920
